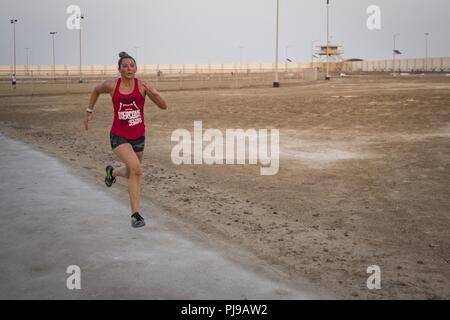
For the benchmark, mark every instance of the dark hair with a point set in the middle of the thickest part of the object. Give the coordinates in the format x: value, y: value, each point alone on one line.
x: 124, y: 55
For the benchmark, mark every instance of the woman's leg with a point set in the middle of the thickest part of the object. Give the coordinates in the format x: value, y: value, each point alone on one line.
x: 133, y: 171
x: 124, y: 171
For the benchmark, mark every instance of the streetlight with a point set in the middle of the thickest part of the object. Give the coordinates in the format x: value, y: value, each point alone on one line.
x: 426, y: 50
x: 286, y: 51
x: 394, y: 52
x: 287, y: 56
x: 81, y: 17
x: 327, y: 77
x: 53, y: 41
x: 28, y: 66
x: 312, y: 52
x: 276, y: 84
x: 241, y: 53
x: 13, y: 22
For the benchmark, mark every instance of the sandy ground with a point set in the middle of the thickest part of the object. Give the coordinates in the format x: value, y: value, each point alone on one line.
x: 364, y: 173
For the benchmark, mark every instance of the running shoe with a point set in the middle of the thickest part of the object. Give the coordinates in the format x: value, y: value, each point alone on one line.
x: 109, y: 179
x: 137, y: 221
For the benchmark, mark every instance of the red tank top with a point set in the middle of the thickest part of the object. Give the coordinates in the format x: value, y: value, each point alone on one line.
x: 128, y: 113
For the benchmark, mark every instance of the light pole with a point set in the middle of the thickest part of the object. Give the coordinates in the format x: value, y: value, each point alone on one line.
x: 13, y: 22
x: 312, y: 52
x: 241, y: 50
x: 286, y: 50
x: 287, y: 56
x: 394, y: 52
x: 28, y: 66
x: 81, y: 17
x: 327, y: 77
x: 276, y: 84
x: 426, y: 50
x: 53, y: 41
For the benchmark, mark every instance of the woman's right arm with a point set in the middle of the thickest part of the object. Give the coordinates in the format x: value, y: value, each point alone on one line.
x: 105, y: 87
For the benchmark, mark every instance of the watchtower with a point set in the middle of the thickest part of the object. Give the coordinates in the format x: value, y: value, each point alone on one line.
x: 335, y: 55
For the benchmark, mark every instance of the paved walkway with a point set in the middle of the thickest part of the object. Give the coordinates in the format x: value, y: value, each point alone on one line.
x: 51, y: 219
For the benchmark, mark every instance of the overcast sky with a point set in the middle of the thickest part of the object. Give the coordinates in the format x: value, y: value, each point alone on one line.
x: 212, y: 31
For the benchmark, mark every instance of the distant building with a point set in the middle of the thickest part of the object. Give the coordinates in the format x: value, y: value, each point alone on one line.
x: 335, y: 55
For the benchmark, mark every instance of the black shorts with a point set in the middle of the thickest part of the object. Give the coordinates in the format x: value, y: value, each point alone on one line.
x: 137, y: 144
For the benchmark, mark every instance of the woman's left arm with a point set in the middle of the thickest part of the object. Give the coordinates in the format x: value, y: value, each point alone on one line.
x: 154, y: 95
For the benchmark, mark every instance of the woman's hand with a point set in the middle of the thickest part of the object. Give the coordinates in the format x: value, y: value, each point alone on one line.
x: 154, y: 95
x: 87, y: 118
x: 149, y: 89
x: 106, y: 87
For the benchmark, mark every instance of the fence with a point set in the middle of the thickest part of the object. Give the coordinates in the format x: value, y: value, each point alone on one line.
x: 150, y: 69
x: 235, y: 72
x: 401, y: 65
x: 165, y: 76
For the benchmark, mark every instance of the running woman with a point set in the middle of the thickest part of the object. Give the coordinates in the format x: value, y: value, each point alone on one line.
x: 127, y: 135
x: 13, y: 81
